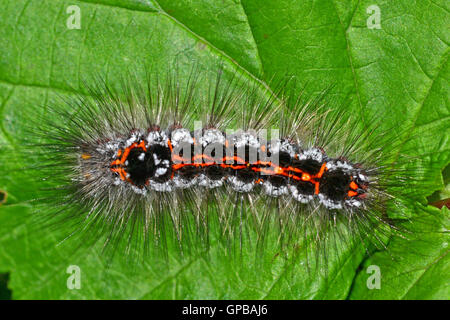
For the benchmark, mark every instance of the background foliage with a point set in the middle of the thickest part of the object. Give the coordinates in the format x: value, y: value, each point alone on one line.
x: 400, y: 71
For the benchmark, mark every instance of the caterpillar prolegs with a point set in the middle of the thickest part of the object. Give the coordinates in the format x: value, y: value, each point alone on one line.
x: 121, y: 161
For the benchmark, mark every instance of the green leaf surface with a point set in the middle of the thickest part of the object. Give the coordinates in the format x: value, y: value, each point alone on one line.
x: 400, y: 72
x: 421, y: 268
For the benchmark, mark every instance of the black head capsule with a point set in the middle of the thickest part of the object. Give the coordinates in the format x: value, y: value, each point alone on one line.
x: 334, y: 184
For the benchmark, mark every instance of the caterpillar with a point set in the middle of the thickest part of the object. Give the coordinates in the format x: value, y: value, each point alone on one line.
x: 147, y: 161
x: 119, y: 164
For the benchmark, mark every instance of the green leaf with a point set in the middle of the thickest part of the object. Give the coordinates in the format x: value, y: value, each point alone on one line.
x: 399, y: 72
x: 421, y: 267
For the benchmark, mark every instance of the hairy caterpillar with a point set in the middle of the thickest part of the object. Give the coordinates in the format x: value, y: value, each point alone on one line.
x: 133, y: 167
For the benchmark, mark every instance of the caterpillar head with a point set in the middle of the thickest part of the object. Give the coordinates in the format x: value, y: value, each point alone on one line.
x: 343, y: 182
